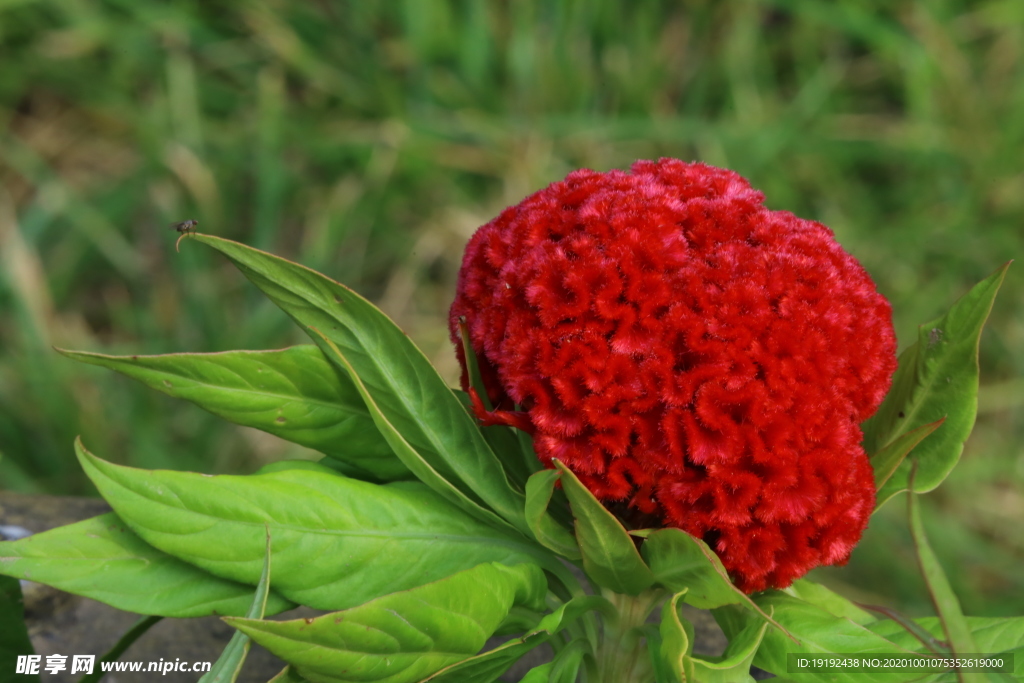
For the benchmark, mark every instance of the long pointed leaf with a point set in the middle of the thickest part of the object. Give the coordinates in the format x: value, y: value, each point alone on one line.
x: 610, y: 557
x: 293, y: 393
x: 992, y: 635
x: 489, y: 665
x: 337, y: 541
x: 287, y: 675
x: 566, y: 665
x: 101, y: 558
x: 958, y: 633
x: 538, y: 674
x: 14, y: 641
x: 681, y: 562
x: 229, y: 664
x: 911, y: 627
x: 409, y: 455
x: 407, y: 636
x: 476, y: 380
x: 503, y: 440
x: 734, y: 665
x: 886, y: 461
x: 675, y: 641
x: 403, y: 383
x: 817, y: 631
x: 937, y: 377
x: 819, y: 595
x: 686, y: 565
x: 548, y: 532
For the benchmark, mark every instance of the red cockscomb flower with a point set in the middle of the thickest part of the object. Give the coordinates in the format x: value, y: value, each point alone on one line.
x: 690, y: 355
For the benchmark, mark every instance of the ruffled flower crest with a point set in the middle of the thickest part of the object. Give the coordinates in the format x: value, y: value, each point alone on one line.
x: 689, y: 354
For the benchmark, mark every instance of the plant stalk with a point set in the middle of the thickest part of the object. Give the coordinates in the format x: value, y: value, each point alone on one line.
x: 622, y: 656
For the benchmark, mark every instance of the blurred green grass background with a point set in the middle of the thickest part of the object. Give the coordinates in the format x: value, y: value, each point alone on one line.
x: 369, y: 139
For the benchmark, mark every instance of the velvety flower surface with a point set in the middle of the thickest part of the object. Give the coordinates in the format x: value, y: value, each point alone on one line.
x: 690, y: 355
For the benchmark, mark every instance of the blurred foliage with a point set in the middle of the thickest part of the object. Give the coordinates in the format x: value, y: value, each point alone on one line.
x: 369, y: 139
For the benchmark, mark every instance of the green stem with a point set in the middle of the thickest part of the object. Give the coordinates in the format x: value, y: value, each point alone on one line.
x: 622, y: 656
x: 133, y: 634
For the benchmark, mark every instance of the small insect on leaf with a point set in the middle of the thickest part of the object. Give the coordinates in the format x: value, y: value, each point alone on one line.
x: 184, y: 228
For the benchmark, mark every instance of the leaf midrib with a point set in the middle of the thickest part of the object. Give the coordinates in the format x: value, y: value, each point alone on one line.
x: 621, y: 574
x: 475, y: 538
x: 337, y: 407
x: 366, y: 349
x: 344, y: 651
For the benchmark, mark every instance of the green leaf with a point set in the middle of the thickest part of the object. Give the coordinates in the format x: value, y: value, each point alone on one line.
x: 991, y: 635
x: 538, y: 674
x: 337, y: 541
x: 101, y: 558
x: 610, y: 557
x: 505, y: 444
x: 675, y: 641
x: 489, y: 665
x: 519, y: 620
x: 406, y: 636
x: 817, y: 631
x: 660, y: 667
x: 229, y: 664
x: 922, y: 636
x: 476, y: 380
x: 294, y: 393
x: 958, y: 634
x: 566, y: 664
x: 287, y: 675
x: 681, y: 562
x: 518, y: 464
x: 734, y: 665
x: 886, y: 461
x: 412, y: 458
x: 937, y: 377
x: 548, y: 532
x: 14, y: 641
x: 323, y: 466
x: 819, y: 595
x: 406, y: 388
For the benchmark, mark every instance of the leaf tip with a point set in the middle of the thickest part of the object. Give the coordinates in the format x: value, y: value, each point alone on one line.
x: 87, y: 460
